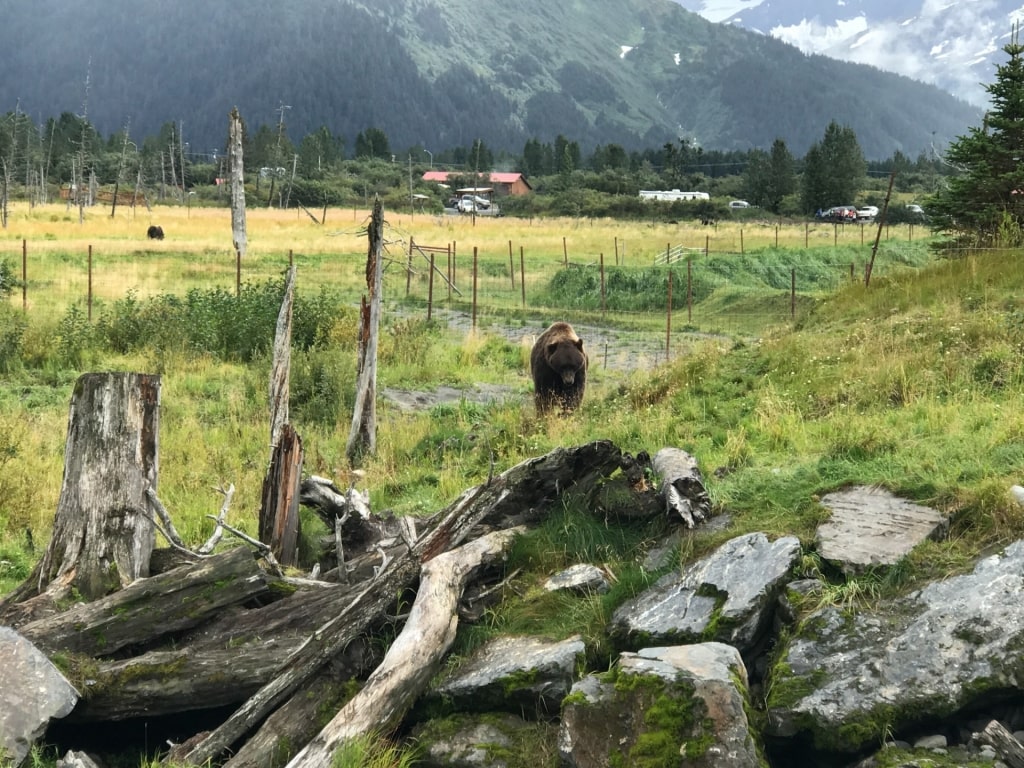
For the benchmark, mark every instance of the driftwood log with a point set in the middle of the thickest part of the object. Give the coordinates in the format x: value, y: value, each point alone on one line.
x: 416, y: 654
x: 1010, y: 750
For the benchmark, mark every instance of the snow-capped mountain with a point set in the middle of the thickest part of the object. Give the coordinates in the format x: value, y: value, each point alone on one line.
x: 953, y: 44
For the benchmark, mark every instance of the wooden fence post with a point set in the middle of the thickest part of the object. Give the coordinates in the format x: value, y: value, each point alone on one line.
x: 474, y: 285
x: 689, y: 290
x: 430, y: 288
x: 602, y: 285
x: 24, y: 275
x: 89, y: 300
x: 522, y: 274
x: 565, y: 254
x: 408, y: 268
x: 511, y: 268
x: 668, y: 317
x: 792, y: 293
x: 741, y: 242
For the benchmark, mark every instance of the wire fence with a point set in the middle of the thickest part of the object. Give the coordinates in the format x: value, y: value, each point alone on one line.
x: 637, y: 309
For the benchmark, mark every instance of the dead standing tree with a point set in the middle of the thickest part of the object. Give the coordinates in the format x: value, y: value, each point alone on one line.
x: 362, y: 439
x: 237, y: 184
x: 279, y: 510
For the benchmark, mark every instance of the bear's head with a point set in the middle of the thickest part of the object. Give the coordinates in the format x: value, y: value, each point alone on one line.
x: 566, y: 358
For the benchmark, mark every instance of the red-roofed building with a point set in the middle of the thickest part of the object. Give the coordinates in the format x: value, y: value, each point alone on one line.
x: 502, y: 183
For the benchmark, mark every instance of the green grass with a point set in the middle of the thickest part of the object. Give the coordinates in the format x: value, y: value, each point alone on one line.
x: 914, y: 383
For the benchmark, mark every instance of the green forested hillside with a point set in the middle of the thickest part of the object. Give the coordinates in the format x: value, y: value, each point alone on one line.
x: 441, y: 74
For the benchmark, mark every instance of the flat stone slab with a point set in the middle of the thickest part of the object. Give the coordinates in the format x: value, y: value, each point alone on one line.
x: 872, y: 527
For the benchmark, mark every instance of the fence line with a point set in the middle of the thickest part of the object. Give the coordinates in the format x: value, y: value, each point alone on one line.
x: 494, y: 287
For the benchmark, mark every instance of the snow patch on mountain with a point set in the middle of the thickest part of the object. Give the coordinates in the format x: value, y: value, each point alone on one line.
x: 953, y: 45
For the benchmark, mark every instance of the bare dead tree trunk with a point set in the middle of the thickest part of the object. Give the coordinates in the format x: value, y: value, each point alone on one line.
x: 279, y: 511
x: 237, y: 183
x: 362, y: 439
x: 281, y: 370
x: 102, y: 535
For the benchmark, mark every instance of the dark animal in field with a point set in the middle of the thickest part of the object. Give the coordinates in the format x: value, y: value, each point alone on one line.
x: 558, y: 365
x: 155, y: 233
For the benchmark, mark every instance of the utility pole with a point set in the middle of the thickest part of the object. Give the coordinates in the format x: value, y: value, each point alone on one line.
x: 277, y: 152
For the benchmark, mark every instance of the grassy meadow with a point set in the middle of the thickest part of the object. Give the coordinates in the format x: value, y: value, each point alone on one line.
x: 914, y: 383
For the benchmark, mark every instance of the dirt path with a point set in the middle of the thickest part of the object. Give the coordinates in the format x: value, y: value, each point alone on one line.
x: 609, y: 348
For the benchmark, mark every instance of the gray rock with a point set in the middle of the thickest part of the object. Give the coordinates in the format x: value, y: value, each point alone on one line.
x: 515, y: 673
x: 32, y: 693
x: 870, y: 527
x: 582, y: 578
x: 728, y: 596
x: 472, y: 741
x: 662, y: 704
x: 76, y: 760
x: 847, y: 678
x: 936, y: 741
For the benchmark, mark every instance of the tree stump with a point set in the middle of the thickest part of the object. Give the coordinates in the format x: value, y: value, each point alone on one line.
x: 102, y: 531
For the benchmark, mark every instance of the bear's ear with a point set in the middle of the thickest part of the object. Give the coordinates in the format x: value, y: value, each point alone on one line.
x: 579, y: 344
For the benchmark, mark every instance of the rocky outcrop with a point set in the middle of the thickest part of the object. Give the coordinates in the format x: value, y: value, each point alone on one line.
x: 515, y: 673
x: 683, y: 705
x: 848, y: 677
x: 735, y: 659
x: 729, y: 596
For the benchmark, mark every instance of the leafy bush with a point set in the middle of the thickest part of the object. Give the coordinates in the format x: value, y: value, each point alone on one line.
x: 8, y: 279
x: 218, y: 322
x: 12, y: 331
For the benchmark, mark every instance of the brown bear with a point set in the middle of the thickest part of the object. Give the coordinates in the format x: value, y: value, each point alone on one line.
x: 558, y: 365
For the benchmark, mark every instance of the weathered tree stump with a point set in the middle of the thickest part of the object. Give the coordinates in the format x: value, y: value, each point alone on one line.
x: 102, y: 534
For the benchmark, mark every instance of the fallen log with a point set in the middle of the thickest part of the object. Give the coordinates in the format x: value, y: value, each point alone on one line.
x: 526, y: 487
x: 169, y: 682
x: 152, y: 608
x: 682, y: 485
x: 416, y: 654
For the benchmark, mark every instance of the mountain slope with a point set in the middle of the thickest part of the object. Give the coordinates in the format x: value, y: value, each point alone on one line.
x: 952, y: 45
x: 441, y: 74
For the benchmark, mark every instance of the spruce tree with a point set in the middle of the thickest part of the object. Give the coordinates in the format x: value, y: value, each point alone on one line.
x: 834, y: 169
x: 983, y: 204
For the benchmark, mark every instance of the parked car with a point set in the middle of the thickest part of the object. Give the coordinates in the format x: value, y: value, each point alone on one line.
x: 739, y: 204
x: 867, y: 212
x: 470, y: 203
x: 915, y: 208
x: 844, y: 213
